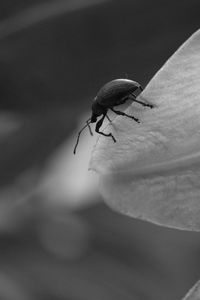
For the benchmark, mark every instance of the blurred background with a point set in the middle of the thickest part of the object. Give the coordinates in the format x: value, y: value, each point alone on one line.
x: 58, y: 240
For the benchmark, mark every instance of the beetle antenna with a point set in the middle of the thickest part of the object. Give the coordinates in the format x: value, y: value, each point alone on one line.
x: 87, y: 125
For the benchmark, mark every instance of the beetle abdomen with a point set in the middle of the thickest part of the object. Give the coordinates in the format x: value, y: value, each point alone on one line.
x: 113, y: 92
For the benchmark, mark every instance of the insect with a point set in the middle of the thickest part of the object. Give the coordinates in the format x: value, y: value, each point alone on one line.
x: 113, y: 93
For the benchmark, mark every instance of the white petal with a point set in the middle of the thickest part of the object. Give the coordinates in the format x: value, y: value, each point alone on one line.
x: 153, y: 171
x: 194, y: 293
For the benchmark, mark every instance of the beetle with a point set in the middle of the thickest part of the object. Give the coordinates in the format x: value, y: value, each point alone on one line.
x: 113, y: 93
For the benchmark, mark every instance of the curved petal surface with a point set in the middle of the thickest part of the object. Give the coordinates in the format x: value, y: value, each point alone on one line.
x: 153, y: 171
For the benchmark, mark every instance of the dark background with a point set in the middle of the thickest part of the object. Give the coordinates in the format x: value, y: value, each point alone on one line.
x: 54, y: 56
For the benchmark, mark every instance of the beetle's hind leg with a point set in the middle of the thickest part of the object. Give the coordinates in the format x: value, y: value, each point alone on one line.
x: 99, y: 124
x: 108, y: 118
x: 140, y: 102
x: 141, y: 88
x: 121, y: 113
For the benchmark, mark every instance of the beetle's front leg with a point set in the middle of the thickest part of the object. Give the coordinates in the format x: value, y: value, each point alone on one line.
x: 99, y: 124
x: 121, y: 113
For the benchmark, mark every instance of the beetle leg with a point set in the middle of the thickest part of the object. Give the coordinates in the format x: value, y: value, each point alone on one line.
x: 121, y: 113
x: 108, y: 118
x: 99, y: 124
x: 133, y: 95
x: 140, y: 102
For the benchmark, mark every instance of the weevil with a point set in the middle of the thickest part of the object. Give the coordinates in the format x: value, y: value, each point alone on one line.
x: 113, y: 93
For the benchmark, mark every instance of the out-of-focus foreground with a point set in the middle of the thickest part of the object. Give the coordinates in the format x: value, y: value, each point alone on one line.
x: 57, y: 238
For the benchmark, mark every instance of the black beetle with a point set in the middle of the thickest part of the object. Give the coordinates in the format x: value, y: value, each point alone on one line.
x: 112, y: 94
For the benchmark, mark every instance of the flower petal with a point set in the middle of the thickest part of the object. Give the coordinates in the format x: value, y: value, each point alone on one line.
x: 153, y: 171
x: 194, y: 293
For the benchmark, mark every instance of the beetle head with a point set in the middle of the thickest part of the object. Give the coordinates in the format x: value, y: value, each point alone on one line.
x: 94, y: 118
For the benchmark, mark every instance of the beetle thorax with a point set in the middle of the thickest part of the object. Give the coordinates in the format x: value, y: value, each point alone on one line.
x: 98, y: 109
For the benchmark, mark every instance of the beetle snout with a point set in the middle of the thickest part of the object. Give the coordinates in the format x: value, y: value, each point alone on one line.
x: 93, y: 118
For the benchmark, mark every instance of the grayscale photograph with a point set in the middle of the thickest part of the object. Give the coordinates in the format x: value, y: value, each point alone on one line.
x: 99, y: 150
